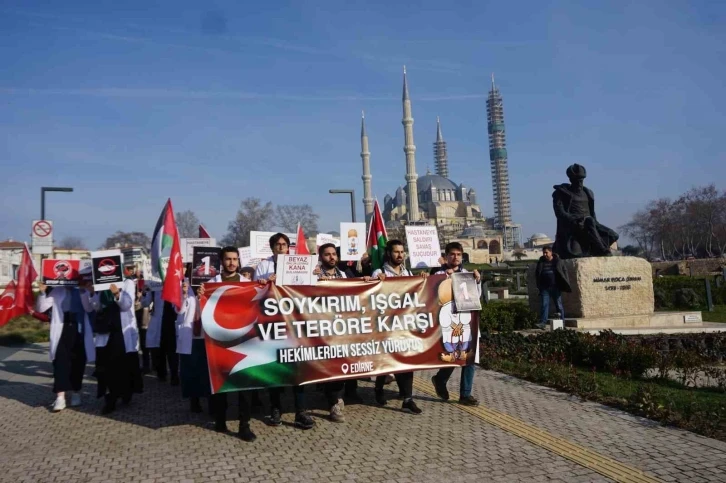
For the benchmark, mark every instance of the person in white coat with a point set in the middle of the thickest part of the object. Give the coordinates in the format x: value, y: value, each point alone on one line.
x: 117, y: 366
x: 161, y: 338
x: 71, y: 341
x: 190, y: 347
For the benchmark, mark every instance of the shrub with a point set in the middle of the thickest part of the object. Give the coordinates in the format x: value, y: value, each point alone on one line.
x: 686, y: 298
x: 506, y: 317
x: 662, y: 299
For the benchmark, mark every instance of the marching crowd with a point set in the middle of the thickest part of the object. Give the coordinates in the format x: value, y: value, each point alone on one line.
x: 111, y: 326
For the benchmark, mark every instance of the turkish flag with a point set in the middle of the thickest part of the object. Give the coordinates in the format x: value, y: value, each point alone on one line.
x: 8, y: 305
x: 24, y: 300
x: 171, y: 291
x: 301, y: 246
x: 203, y: 233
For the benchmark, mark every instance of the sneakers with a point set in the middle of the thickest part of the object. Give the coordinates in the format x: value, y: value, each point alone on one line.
x: 411, y: 407
x: 468, y: 401
x: 246, y: 434
x: 274, y: 418
x: 59, y: 404
x: 336, y: 412
x: 380, y: 397
x: 304, y: 421
x: 441, y: 390
x: 75, y: 399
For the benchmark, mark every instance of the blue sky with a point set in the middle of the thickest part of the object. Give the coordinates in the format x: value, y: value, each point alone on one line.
x: 208, y: 103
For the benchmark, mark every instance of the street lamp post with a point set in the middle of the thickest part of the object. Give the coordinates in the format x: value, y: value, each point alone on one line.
x: 42, y: 197
x: 352, y: 199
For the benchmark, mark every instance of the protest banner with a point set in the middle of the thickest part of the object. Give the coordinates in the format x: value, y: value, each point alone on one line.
x: 150, y: 281
x: 62, y: 273
x: 352, y: 241
x: 424, y: 249
x: 466, y: 292
x: 188, y: 244
x: 270, y: 336
x: 324, y: 238
x: 260, y: 243
x: 107, y: 269
x: 205, y: 264
x: 296, y: 270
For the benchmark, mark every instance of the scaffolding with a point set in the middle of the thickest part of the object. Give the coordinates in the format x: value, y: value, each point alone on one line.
x: 498, y: 158
x: 441, y: 160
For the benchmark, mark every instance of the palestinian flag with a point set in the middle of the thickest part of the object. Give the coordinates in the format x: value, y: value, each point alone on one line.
x: 238, y: 358
x: 166, y: 260
x: 377, y: 238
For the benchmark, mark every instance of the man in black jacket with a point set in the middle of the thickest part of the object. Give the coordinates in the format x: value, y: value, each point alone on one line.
x: 552, y: 280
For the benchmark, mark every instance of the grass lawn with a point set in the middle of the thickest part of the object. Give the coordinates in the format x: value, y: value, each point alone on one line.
x: 718, y: 314
x: 24, y: 330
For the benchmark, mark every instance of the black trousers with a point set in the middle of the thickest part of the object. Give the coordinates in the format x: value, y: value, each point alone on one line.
x: 145, y: 352
x: 298, y: 392
x: 404, y: 381
x: 335, y: 390
x: 166, y: 353
x: 219, y: 408
x: 69, y: 363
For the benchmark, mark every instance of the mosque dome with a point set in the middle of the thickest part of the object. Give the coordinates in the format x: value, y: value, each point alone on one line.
x: 434, y: 180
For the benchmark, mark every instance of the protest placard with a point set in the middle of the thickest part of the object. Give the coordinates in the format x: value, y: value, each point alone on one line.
x: 466, y: 292
x: 106, y: 266
x: 260, y: 243
x: 352, y: 241
x: 205, y: 264
x: 296, y: 270
x: 62, y: 273
x: 246, y: 259
x: 188, y: 244
x: 424, y: 249
x: 339, y: 329
x: 324, y: 238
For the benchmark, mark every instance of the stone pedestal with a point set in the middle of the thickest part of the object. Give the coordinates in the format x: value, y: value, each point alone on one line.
x: 602, y: 287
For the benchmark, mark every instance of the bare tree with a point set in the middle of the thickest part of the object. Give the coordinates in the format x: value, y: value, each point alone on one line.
x: 187, y: 223
x: 288, y: 216
x: 71, y: 242
x: 252, y: 216
x: 122, y: 239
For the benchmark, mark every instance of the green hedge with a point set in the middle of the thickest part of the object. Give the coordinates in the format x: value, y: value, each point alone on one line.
x: 506, y: 316
x: 685, y: 293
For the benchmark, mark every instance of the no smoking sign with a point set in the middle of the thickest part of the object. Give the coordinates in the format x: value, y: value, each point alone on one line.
x: 42, y: 236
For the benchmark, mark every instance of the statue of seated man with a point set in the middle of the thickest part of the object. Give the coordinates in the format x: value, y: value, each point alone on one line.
x: 578, y: 232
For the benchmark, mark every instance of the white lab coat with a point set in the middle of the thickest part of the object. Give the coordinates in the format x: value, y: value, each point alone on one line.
x: 92, y: 304
x: 128, y: 316
x: 60, y: 301
x: 153, y: 332
x: 265, y: 269
x: 185, y: 324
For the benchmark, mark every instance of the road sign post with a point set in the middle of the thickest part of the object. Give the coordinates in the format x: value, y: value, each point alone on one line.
x: 42, y: 237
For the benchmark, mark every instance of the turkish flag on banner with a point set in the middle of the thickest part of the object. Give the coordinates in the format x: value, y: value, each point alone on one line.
x: 301, y: 246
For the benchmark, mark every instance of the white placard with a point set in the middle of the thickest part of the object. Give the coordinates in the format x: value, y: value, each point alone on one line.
x: 324, y: 238
x: 42, y: 237
x: 296, y: 270
x: 260, y: 243
x: 352, y: 241
x: 188, y: 244
x: 246, y: 259
x: 424, y: 249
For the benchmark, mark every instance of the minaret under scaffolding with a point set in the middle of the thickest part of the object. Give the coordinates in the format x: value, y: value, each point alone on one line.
x: 500, y: 170
x: 365, y: 155
x: 440, y: 159
x: 410, y: 149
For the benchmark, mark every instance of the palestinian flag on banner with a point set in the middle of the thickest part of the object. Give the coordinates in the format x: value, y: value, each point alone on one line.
x: 166, y: 260
x: 377, y: 238
x: 238, y: 358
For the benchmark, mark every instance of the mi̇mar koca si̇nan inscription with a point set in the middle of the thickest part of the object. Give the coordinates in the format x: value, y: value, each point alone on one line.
x: 623, y: 281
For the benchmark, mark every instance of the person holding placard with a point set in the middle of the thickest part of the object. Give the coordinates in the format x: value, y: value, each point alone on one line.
x: 394, y: 267
x: 117, y: 365
x: 229, y: 273
x: 265, y: 273
x: 454, y: 258
x: 71, y: 341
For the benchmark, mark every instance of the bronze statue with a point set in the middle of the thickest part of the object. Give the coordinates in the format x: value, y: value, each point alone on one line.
x: 578, y: 232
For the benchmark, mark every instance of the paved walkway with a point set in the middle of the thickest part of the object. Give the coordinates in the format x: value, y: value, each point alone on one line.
x: 522, y: 432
